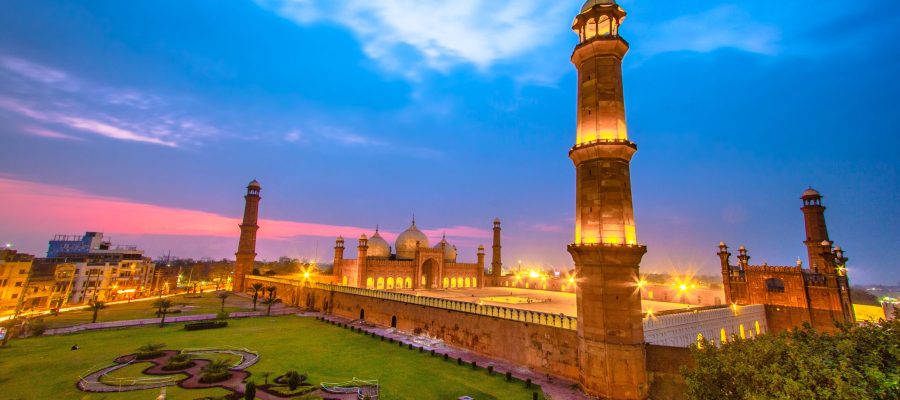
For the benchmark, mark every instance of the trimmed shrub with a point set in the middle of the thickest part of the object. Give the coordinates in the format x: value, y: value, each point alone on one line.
x: 250, y: 391
x: 179, y: 362
x: 508, y: 376
x: 528, y: 383
x: 196, y: 326
x: 490, y: 369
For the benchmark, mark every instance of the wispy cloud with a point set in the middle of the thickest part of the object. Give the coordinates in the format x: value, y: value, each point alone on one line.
x: 47, y: 133
x: 63, y: 101
x: 405, y: 36
x: 726, y: 26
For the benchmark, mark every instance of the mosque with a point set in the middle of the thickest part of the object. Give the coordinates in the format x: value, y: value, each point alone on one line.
x: 611, y: 346
x: 414, y: 265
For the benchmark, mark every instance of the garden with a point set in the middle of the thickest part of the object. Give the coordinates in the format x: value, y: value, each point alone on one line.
x: 295, y: 354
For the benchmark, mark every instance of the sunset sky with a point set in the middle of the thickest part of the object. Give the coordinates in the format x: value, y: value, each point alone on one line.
x: 146, y: 119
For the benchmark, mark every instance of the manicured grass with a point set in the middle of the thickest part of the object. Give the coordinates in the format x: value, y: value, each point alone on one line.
x: 207, y: 303
x: 868, y: 313
x: 326, y: 353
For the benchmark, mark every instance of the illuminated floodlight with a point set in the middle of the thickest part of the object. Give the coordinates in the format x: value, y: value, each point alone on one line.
x: 533, y: 274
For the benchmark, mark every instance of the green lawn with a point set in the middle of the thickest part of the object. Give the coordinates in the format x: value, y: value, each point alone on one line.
x: 326, y: 353
x: 207, y: 303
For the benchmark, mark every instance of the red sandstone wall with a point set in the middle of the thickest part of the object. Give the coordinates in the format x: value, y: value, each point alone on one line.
x: 664, y: 368
x: 542, y: 348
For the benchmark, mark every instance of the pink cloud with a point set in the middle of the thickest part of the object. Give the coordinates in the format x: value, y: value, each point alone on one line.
x: 48, y: 133
x: 47, y: 209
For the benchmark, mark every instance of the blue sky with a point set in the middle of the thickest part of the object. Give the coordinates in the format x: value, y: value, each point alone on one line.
x: 354, y: 114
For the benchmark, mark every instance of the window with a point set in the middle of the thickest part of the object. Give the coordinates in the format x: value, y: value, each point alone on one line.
x: 723, y: 336
x: 775, y: 285
x: 743, y: 334
x: 18, y: 284
x: 756, y: 327
x: 21, y: 272
x: 14, y: 295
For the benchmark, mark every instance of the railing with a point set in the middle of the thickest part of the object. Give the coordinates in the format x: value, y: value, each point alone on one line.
x: 533, y: 317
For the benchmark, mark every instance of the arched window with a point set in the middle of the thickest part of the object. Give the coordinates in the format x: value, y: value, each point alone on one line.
x: 370, y: 283
x: 775, y: 285
x: 468, y: 282
x: 446, y: 283
x: 424, y: 281
x: 743, y: 334
x: 650, y: 295
x: 756, y: 327
x: 700, y: 340
x: 527, y: 285
x: 379, y: 284
x: 452, y: 283
x: 604, y: 27
x: 344, y: 280
x: 590, y: 29
x: 723, y: 336
x: 390, y: 283
x: 474, y: 282
x: 408, y: 282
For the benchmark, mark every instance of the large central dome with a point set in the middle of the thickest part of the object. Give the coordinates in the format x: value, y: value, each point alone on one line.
x: 408, y: 240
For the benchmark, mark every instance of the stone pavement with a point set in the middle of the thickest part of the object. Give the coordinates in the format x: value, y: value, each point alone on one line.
x: 169, y: 320
x: 554, y: 388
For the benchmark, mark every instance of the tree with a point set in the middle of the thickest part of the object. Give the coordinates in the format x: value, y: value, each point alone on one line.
x: 268, y: 302
x: 265, y: 376
x: 294, y: 379
x: 163, y: 306
x: 856, y: 362
x: 271, y: 290
x: 223, y: 296
x: 96, y: 306
x: 250, y: 391
x: 257, y: 287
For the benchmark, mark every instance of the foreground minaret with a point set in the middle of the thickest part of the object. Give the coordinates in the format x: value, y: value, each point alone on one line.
x: 246, y: 253
x: 606, y: 254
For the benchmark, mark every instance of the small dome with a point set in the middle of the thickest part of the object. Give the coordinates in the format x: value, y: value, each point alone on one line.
x: 363, y: 237
x: 591, y: 3
x: 340, y: 239
x: 406, y: 242
x: 826, y: 243
x: 449, y: 250
x: 378, y: 247
x: 811, y: 193
x: 254, y: 185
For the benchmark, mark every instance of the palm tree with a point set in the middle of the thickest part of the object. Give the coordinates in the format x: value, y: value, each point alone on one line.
x: 268, y: 301
x: 271, y: 290
x: 265, y: 376
x: 223, y: 295
x: 96, y: 306
x: 163, y: 306
x: 257, y: 287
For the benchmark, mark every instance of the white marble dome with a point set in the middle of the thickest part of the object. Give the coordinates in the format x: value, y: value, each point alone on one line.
x: 378, y: 247
x: 408, y: 240
x: 449, y: 249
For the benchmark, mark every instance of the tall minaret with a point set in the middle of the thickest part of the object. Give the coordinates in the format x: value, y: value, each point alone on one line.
x: 816, y: 230
x: 606, y: 254
x: 246, y: 253
x: 496, y: 263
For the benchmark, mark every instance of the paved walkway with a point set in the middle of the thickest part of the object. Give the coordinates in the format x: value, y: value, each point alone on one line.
x: 169, y: 320
x: 555, y: 388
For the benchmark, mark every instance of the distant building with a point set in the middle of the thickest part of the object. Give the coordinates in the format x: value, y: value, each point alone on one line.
x: 102, y: 271
x: 14, y: 270
x: 793, y: 295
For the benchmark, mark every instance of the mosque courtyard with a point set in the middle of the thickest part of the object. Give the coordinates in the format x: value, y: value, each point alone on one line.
x: 529, y: 299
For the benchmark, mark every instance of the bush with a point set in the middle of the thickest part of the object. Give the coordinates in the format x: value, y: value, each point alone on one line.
x: 196, y: 326
x: 221, y: 315
x: 179, y: 362
x: 37, y: 327
x: 150, y: 350
x: 250, y: 391
x: 217, y: 371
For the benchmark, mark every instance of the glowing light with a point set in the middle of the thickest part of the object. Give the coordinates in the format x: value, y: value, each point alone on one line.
x: 571, y: 280
x: 683, y: 287
x: 533, y: 274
